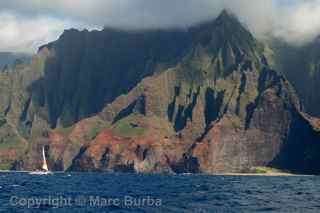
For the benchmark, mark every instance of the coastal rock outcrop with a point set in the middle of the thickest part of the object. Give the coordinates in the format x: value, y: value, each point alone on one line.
x: 206, y: 100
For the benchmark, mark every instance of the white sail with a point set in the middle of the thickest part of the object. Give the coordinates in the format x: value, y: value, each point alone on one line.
x: 44, y: 162
x: 44, y: 168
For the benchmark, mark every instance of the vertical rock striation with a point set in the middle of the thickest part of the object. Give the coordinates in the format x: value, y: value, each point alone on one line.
x: 206, y: 100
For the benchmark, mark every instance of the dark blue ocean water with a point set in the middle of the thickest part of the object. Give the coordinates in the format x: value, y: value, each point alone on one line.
x: 95, y: 192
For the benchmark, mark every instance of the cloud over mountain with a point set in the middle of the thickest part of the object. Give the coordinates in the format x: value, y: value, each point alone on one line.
x: 42, y: 21
x: 25, y: 34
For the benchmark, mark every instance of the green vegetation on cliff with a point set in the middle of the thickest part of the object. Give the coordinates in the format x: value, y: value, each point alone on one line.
x: 205, y: 99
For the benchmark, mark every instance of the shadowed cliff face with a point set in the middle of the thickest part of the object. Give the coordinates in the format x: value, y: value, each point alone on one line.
x: 87, y: 70
x: 301, y: 65
x: 200, y: 100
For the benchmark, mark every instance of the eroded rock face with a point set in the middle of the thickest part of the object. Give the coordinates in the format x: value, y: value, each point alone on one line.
x: 207, y: 101
x: 230, y: 145
x: 252, y: 128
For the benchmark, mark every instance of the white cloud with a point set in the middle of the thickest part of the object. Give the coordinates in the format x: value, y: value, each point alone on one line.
x: 24, y: 25
x: 299, y: 23
x: 25, y: 34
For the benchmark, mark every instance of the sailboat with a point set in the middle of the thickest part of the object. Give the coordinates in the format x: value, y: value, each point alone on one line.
x: 44, y: 168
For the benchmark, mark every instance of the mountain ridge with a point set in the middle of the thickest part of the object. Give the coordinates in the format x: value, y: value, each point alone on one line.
x: 203, y: 100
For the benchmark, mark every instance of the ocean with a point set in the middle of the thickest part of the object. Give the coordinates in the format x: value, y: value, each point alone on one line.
x: 102, y: 192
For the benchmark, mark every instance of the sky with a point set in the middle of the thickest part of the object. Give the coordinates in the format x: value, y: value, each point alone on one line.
x: 27, y: 24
